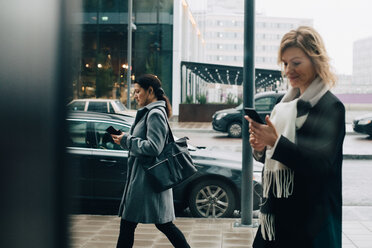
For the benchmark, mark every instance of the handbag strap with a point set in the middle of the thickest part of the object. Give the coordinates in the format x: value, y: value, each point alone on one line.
x: 170, y: 134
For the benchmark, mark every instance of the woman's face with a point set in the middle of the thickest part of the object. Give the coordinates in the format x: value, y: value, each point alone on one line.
x: 141, y: 95
x: 298, y: 68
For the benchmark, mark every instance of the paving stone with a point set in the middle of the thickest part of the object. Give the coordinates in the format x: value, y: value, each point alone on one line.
x: 234, y: 235
x: 146, y: 236
x: 93, y: 223
x: 104, y: 238
x: 162, y: 246
x: 206, y: 231
x: 88, y: 231
x: 84, y: 228
x: 113, y: 232
x: 359, y: 231
x: 235, y: 242
x: 79, y: 234
x: 112, y: 226
x: 99, y: 245
x: 146, y: 243
x: 205, y: 244
x: 198, y: 237
x: 358, y: 237
x: 367, y: 224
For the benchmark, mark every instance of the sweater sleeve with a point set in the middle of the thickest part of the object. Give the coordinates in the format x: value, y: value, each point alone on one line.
x: 153, y: 145
x: 321, y: 143
x: 259, y: 156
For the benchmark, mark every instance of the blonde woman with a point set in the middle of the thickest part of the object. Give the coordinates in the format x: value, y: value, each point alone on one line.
x: 301, y: 148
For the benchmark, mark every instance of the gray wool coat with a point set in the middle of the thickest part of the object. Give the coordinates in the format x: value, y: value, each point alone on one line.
x: 140, y: 203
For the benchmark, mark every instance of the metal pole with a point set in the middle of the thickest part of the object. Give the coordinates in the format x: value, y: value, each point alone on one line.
x: 129, y: 56
x: 248, y: 94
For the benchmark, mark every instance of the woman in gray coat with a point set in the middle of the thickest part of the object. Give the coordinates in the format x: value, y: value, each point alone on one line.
x: 147, y: 138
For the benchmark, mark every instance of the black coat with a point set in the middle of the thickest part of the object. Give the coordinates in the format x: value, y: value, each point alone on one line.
x: 312, y: 215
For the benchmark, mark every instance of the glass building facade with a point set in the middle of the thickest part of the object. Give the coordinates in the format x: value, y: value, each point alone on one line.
x: 100, y: 63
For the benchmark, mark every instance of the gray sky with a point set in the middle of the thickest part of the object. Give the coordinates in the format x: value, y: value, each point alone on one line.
x: 340, y: 23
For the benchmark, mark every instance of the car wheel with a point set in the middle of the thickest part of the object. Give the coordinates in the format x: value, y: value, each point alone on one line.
x: 212, y: 198
x: 235, y: 130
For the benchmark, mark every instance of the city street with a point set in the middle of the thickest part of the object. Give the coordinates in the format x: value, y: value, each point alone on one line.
x: 354, y: 143
x: 356, y: 172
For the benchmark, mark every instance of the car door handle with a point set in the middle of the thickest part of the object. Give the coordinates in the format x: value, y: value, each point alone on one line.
x: 108, y: 161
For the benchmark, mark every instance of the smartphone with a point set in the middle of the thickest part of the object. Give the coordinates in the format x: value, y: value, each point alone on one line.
x: 112, y: 130
x: 252, y: 113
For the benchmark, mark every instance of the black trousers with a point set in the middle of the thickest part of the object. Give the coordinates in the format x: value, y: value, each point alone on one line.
x: 127, y: 228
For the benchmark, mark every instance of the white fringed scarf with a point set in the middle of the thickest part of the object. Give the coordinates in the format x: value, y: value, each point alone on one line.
x: 277, y: 177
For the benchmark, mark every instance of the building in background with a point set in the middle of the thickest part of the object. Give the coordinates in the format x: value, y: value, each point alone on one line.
x: 102, y: 66
x: 222, y: 23
x: 344, y: 84
x: 164, y: 33
x: 362, y: 64
x: 269, y: 32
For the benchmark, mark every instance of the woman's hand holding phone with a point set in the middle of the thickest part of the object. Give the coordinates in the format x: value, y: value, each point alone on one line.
x: 261, y: 135
x: 116, y: 135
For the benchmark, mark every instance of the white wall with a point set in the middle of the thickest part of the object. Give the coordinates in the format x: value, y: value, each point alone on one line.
x: 188, y: 45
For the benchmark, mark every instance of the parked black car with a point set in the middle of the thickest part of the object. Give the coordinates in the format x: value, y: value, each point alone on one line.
x: 98, y: 169
x: 363, y: 124
x: 230, y: 120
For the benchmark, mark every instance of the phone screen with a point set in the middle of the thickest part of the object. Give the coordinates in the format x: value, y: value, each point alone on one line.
x: 251, y: 112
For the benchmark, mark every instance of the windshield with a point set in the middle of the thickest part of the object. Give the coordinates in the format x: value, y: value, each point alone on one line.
x: 120, y: 105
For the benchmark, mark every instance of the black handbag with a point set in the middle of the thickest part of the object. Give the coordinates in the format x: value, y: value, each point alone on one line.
x: 173, y: 165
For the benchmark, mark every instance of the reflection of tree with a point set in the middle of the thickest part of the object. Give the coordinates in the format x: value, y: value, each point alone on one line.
x: 105, y: 75
x: 152, y: 59
x: 150, y: 63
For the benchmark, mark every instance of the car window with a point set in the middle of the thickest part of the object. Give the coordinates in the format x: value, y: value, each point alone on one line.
x: 104, y: 138
x: 98, y: 107
x: 264, y: 103
x: 77, y: 134
x: 76, y: 106
x: 112, y: 111
x: 120, y: 106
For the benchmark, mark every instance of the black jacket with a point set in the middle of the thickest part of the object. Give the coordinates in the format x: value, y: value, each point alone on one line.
x: 312, y: 216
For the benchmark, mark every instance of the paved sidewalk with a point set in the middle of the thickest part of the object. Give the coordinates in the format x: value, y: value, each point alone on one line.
x: 95, y: 231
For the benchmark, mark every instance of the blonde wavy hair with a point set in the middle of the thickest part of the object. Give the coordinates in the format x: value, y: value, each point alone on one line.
x: 309, y: 40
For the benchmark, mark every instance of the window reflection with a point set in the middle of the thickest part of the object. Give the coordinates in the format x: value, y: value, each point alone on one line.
x: 104, y: 139
x: 265, y: 104
x: 77, y: 134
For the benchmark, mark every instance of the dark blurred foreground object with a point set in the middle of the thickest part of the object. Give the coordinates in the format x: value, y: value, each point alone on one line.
x: 34, y: 72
